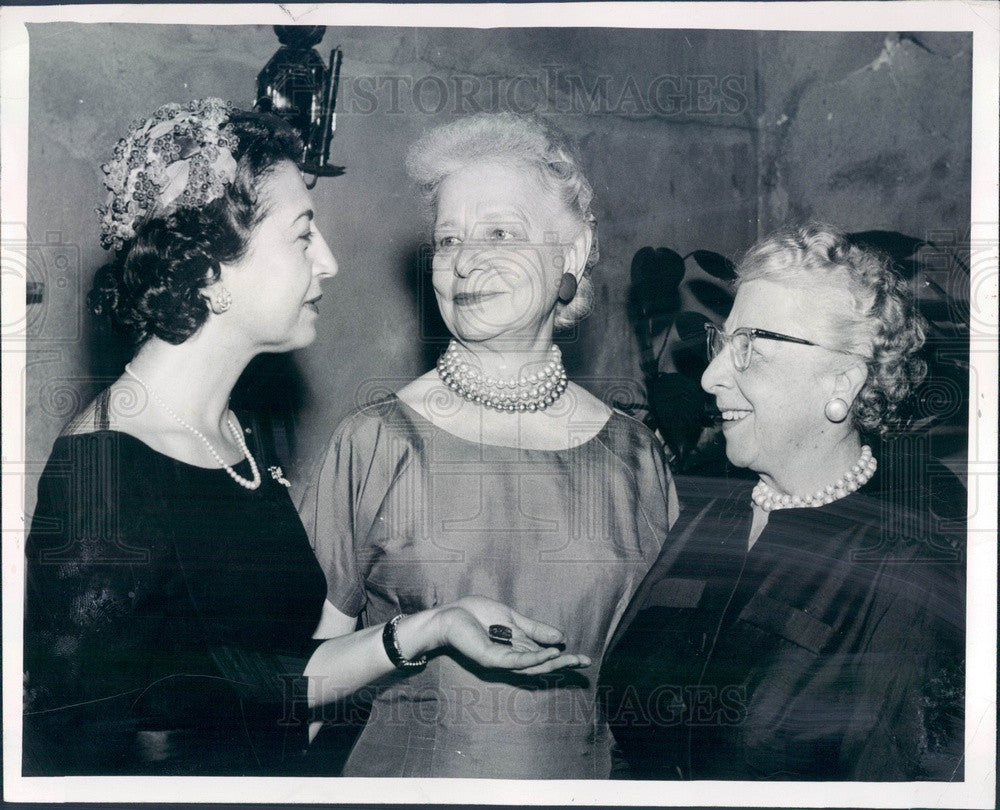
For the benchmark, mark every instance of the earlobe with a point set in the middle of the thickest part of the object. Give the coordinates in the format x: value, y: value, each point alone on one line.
x: 857, y: 376
x: 849, y: 383
x: 579, y: 250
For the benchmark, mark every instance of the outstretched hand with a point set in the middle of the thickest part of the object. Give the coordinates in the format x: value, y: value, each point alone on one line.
x: 531, y: 652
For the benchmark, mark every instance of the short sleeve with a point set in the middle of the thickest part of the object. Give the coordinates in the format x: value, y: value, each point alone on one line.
x: 663, y: 492
x: 657, y: 494
x: 337, y: 507
x: 667, y: 486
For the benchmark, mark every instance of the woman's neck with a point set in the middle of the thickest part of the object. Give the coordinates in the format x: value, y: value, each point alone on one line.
x: 195, y: 378
x: 505, y: 360
x: 813, y: 468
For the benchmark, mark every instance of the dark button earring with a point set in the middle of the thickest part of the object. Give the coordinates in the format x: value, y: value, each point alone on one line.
x: 567, y: 288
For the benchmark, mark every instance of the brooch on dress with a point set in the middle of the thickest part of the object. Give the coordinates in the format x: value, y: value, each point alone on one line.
x: 279, y: 476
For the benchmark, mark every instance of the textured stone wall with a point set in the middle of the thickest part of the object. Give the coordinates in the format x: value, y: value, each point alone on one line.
x: 692, y: 139
x: 871, y: 131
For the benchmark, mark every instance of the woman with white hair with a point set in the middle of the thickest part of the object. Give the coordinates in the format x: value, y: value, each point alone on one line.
x: 493, y: 474
x: 810, y: 626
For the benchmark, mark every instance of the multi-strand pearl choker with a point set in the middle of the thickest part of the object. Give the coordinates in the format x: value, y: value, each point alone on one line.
x: 532, y: 392
x: 239, y: 479
x: 769, y: 500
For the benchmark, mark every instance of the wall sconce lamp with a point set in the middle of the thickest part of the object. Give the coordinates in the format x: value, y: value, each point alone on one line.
x: 296, y: 85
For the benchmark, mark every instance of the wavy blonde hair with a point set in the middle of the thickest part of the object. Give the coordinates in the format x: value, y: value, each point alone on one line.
x: 516, y: 140
x: 873, y: 311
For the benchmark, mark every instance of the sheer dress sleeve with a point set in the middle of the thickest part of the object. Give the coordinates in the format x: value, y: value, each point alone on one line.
x: 84, y: 649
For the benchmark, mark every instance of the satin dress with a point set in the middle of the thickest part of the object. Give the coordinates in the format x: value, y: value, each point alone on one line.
x: 405, y: 516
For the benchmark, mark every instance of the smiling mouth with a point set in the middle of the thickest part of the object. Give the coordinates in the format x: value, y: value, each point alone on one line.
x: 468, y: 298
x: 734, y: 414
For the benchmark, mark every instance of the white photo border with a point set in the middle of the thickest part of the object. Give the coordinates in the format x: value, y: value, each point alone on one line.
x: 982, y: 18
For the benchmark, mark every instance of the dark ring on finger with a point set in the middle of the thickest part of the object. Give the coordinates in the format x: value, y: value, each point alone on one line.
x: 501, y: 634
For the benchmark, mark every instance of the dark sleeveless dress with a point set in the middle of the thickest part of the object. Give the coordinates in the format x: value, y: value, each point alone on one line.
x: 168, y: 616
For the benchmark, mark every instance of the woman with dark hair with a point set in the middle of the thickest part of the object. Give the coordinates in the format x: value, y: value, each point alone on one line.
x: 171, y: 592
x: 810, y: 626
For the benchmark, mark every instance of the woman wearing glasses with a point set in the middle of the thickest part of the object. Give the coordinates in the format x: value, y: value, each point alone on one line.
x: 810, y: 625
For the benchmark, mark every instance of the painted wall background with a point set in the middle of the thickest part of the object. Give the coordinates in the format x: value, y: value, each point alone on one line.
x: 691, y: 139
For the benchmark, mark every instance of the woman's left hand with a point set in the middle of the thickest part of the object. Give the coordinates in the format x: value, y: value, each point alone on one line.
x: 348, y: 659
x: 465, y: 628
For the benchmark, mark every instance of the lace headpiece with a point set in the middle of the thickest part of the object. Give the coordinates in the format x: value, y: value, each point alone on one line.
x: 182, y: 156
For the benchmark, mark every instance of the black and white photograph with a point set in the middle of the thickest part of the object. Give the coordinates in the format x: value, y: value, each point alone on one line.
x: 585, y: 403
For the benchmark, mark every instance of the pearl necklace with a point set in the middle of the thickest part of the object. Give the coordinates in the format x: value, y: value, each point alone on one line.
x: 239, y: 479
x: 534, y: 392
x: 769, y: 500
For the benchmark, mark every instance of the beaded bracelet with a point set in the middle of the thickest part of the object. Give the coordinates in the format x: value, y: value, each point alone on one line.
x: 391, y: 644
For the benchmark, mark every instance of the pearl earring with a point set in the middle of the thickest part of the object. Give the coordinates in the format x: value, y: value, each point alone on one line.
x: 836, y: 410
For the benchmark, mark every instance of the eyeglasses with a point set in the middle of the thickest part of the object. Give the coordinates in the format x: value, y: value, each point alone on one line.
x: 741, y: 343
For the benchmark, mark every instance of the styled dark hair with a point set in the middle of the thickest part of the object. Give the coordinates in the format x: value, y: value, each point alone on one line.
x: 153, y: 286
